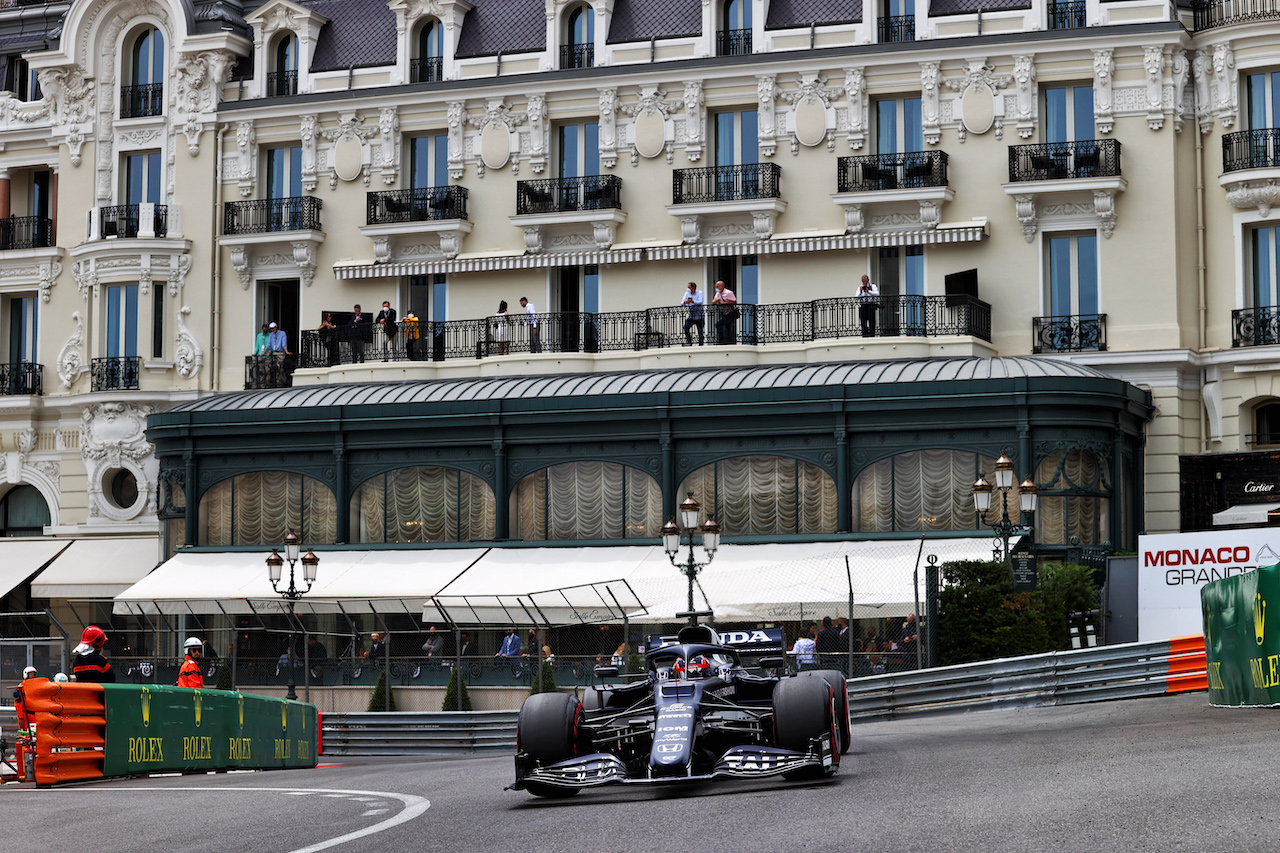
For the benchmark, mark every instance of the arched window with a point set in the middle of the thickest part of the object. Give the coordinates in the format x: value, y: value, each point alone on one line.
x: 428, y: 65
x: 282, y: 79
x: 263, y: 507
x: 922, y: 490
x: 587, y: 500
x: 422, y: 505
x: 23, y: 512
x: 765, y: 495
x: 733, y: 38
x: 144, y: 94
x: 1266, y: 425
x: 579, y: 50
x: 1075, y: 498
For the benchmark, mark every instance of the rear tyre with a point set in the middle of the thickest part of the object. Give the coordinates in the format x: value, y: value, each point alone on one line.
x: 547, y: 730
x: 803, y: 709
x: 840, y: 688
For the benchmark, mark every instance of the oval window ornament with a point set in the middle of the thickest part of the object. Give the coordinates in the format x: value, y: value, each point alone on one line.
x: 348, y: 158
x: 495, y: 146
x: 651, y: 134
x: 810, y: 122
x: 977, y: 109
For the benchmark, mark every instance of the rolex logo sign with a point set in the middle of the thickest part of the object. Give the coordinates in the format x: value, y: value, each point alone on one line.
x: 198, y: 698
x: 1259, y: 617
x: 145, y: 699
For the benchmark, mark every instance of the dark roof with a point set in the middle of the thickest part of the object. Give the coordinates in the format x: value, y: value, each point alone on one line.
x: 784, y: 14
x: 503, y: 26
x: 641, y: 20
x: 359, y: 33
x: 213, y: 16
x: 969, y: 7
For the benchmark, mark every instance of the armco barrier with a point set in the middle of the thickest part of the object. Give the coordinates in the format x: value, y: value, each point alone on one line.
x: 86, y: 731
x: 1242, y: 644
x: 409, y: 733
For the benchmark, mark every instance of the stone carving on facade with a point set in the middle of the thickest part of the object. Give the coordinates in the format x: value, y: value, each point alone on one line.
x: 533, y: 240
x: 501, y: 121
x: 654, y: 104
x: 247, y: 149
x: 350, y: 126
x: 1153, y: 65
x: 388, y: 132
x: 1024, y: 207
x: 307, y: 137
x: 113, y: 438
x: 86, y: 278
x: 144, y: 282
x: 1024, y: 79
x: 930, y: 117
x: 1226, y: 84
x: 980, y: 81
x: 70, y: 97
x: 855, y: 88
x: 1180, y: 67
x: 52, y: 472
x: 70, y: 361
x: 1202, y: 76
x: 457, y: 143
x: 240, y: 263
x: 1264, y: 196
x: 197, y: 79
x: 1104, y: 68
x: 608, y: 128
x: 813, y: 90
x: 188, y: 357
x: 539, y: 132
x: 178, y: 273
x: 693, y: 136
x: 48, y: 273
x: 1104, y: 205
x: 304, y: 256
x: 691, y: 228
x: 766, y: 94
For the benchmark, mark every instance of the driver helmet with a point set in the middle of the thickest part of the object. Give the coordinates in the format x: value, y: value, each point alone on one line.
x: 699, y: 667
x: 678, y: 668
x: 193, y: 643
x: 29, y: 672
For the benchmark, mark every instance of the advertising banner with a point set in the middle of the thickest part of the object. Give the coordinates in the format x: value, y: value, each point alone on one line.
x: 1241, y: 641
x: 153, y: 728
x: 1173, y: 567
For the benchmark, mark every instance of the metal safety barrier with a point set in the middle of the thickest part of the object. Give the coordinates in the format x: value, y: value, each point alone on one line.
x: 414, y: 733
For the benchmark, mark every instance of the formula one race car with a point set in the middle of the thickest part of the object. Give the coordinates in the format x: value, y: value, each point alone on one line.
x: 699, y: 715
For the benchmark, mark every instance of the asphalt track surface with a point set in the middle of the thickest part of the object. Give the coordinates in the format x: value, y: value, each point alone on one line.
x: 1164, y: 774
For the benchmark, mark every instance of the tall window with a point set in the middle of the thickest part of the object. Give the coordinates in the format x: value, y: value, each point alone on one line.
x: 429, y: 161
x: 145, y: 95
x: 428, y: 67
x: 1072, y: 274
x: 578, y: 149
x: 1264, y: 268
x: 23, y: 324
x: 898, y: 126
x: 734, y: 35
x: 284, y: 172
x: 121, y: 340
x: 580, y: 37
x: 587, y: 500
x: 765, y: 495
x: 901, y: 273
x: 23, y: 82
x: 263, y: 507
x: 142, y: 178
x: 23, y: 512
x: 1075, y: 498
x: 1266, y: 424
x: 737, y: 144
x: 39, y: 206
x: 1068, y: 114
x: 423, y: 505
x: 921, y: 490
x: 283, y: 77
x: 1262, y: 93
x: 898, y: 21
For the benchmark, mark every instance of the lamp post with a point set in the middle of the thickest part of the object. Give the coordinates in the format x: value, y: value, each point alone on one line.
x: 291, y: 593
x: 671, y: 536
x: 1005, y: 528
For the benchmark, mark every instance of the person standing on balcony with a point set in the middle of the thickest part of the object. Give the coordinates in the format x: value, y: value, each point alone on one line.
x: 411, y: 333
x: 868, y: 304
x: 361, y: 331
x: 386, y: 321
x: 260, y: 342
x: 502, y: 332
x: 726, y: 303
x: 693, y: 300
x: 535, y: 340
x: 278, y: 341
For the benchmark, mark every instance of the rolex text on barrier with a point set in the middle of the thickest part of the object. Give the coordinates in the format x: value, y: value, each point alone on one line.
x: 1242, y: 640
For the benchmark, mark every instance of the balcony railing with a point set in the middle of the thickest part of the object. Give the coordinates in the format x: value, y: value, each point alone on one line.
x: 421, y: 204
x: 428, y: 69
x: 274, y: 370
x: 565, y: 195
x: 577, y: 55
x: 1218, y: 13
x: 1067, y: 15
x: 1251, y: 149
x: 754, y: 325
x: 22, y: 379
x: 282, y: 83
x: 267, y: 215
x: 122, y: 220
x: 896, y: 28
x: 1052, y: 161
x: 912, y: 170
x: 1074, y: 333
x: 26, y: 232
x: 1262, y: 439
x: 733, y: 42
x: 1255, y: 327
x: 727, y: 183
x: 144, y: 100
x: 118, y: 373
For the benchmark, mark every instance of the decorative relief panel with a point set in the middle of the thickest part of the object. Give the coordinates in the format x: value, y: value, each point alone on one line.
x: 113, y: 439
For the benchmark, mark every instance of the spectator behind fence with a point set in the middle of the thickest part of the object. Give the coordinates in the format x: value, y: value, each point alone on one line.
x: 531, y: 317
x: 260, y: 342
x: 696, y: 319
x: 360, y: 334
x: 510, y: 643
x: 466, y: 649
x: 378, y: 646
x: 434, y: 646
x: 277, y: 341
x: 726, y: 304
x: 803, y: 650
x: 386, y: 321
x: 829, y: 640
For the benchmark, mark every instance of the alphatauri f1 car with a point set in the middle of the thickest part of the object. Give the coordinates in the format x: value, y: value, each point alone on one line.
x: 699, y: 715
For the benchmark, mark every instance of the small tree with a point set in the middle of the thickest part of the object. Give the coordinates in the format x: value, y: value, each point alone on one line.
x: 383, y: 698
x: 451, y: 694
x: 225, y: 681
x: 635, y: 663
x: 983, y: 618
x: 1063, y: 589
x: 545, y: 680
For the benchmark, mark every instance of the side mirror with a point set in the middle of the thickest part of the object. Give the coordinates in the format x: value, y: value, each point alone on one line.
x: 606, y: 672
x: 773, y: 663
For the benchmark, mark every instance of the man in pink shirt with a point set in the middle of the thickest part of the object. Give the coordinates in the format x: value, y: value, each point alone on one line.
x: 726, y: 308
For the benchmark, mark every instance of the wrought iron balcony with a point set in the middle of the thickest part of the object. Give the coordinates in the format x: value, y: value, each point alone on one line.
x: 577, y: 55
x: 1052, y: 161
x: 282, y: 83
x: 733, y: 42
x: 268, y: 215
x: 420, y: 204
x: 1067, y: 15
x: 565, y: 195
x: 1251, y: 149
x: 123, y: 220
x: 26, y: 232
x: 140, y: 101
x: 21, y: 379
x: 912, y: 170
x: 896, y: 28
x: 117, y: 373
x: 428, y: 69
x: 1262, y: 439
x: 1218, y: 13
x: 1255, y: 327
x: 727, y: 183
x: 1073, y: 333
x: 274, y: 370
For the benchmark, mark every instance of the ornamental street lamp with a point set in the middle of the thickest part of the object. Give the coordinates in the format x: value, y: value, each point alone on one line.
x: 291, y: 593
x: 1005, y: 528
x: 671, y: 536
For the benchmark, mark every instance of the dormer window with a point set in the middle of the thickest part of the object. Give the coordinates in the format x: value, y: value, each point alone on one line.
x: 23, y: 82
x: 282, y: 79
x: 428, y: 66
x: 734, y: 36
x: 579, y: 50
x: 143, y: 94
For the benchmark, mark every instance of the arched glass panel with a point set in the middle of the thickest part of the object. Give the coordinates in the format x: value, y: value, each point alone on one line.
x: 764, y: 495
x: 421, y: 505
x: 737, y: 15
x: 23, y: 512
x: 1266, y: 424
x: 431, y: 40
x: 148, y: 58
x: 587, y: 500
x: 1075, y: 498
x: 582, y: 27
x: 925, y: 490
x: 287, y: 54
x: 263, y: 507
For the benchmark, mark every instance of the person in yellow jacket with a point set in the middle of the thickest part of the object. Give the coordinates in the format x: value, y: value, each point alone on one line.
x: 189, y: 675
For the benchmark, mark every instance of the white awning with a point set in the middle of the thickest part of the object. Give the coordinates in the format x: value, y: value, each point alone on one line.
x: 98, y: 568
x: 946, y: 233
x: 22, y: 558
x: 1244, y: 514
x: 487, y: 263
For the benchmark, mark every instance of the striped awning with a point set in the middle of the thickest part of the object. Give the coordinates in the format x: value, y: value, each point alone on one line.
x: 965, y: 233
x: 488, y: 263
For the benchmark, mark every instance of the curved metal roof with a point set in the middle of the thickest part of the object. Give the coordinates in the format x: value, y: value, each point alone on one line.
x: 645, y: 382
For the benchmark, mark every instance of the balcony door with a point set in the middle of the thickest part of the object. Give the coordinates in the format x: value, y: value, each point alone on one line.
x: 737, y: 155
x: 1262, y: 97
x: 900, y: 272
x: 284, y: 181
x: 428, y: 161
x: 898, y: 126
x: 1072, y: 274
x: 142, y: 178
x: 1264, y: 266
x: 1068, y: 114
x: 278, y: 303
x: 121, y: 309
x: 578, y: 156
x: 428, y: 300
x: 23, y: 313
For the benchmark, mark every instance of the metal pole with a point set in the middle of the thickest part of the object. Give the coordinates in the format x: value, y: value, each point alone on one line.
x: 457, y: 656
x: 293, y: 637
x: 848, y: 640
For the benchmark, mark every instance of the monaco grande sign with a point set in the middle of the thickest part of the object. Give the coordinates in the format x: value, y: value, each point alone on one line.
x: 1173, y: 567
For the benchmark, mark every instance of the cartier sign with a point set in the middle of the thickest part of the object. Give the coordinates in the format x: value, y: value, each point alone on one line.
x: 1255, y: 488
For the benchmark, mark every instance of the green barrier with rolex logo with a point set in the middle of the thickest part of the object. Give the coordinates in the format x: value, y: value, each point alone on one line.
x: 1242, y: 638
x: 152, y: 728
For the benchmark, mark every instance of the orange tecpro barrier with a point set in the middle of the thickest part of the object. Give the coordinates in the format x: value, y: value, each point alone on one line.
x: 1187, y: 666
x: 71, y: 727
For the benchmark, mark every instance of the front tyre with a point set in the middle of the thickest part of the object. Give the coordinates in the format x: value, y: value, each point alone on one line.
x: 840, y: 687
x: 804, y: 709
x: 548, y: 731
